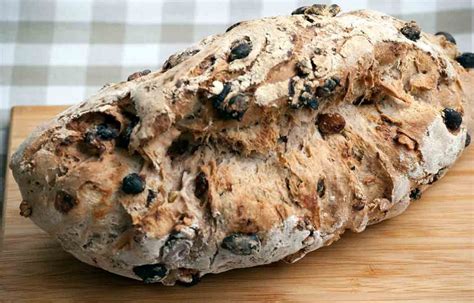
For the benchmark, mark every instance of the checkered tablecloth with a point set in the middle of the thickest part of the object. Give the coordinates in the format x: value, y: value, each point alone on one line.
x: 61, y: 51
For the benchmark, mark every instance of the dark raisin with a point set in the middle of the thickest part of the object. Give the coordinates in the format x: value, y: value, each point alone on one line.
x: 318, y: 9
x: 106, y: 132
x: 124, y: 139
x: 240, y: 49
x: 468, y: 140
x: 331, y: 123
x: 312, y: 103
x: 218, y: 99
x: 466, y: 60
x: 151, y: 273
x: 448, y: 36
x: 92, y: 138
x: 411, y: 30
x: 201, y: 185
x: 150, y: 197
x: 64, y: 202
x: 415, y: 194
x: 321, y: 188
x: 242, y: 244
x: 283, y: 139
x: 452, y: 119
x: 133, y: 184
x: 25, y: 209
x: 328, y: 87
x: 233, y: 26
x: 233, y: 108
x: 358, y: 206
x: 308, y: 18
x: 139, y: 74
x: 194, y: 280
x: 178, y: 147
x: 291, y: 88
x: 306, y: 98
x: 299, y: 10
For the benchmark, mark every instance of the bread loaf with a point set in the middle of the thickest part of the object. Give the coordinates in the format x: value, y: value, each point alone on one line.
x: 256, y: 145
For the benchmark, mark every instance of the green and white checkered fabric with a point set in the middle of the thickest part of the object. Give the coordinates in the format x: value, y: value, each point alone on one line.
x: 61, y: 51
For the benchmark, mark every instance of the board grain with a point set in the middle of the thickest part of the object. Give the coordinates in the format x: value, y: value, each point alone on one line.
x: 425, y: 254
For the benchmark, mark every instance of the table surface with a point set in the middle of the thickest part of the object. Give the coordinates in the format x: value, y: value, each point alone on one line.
x: 424, y: 254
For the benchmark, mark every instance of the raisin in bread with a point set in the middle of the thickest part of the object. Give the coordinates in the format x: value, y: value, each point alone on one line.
x: 256, y: 145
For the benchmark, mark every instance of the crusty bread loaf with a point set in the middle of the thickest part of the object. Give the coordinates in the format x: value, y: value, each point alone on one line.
x: 260, y: 144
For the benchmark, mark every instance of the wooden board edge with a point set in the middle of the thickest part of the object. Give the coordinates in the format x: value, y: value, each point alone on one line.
x: 18, y: 109
x: 13, y: 111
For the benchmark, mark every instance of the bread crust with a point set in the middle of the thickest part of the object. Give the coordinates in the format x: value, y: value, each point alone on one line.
x: 260, y: 144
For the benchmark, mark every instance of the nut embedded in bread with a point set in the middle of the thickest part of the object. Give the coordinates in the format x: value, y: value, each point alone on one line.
x: 256, y: 145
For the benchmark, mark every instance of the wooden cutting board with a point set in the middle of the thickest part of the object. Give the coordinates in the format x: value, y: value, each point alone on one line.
x: 424, y: 254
